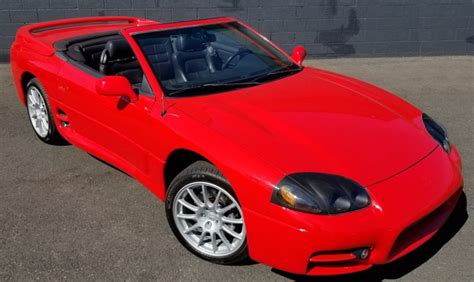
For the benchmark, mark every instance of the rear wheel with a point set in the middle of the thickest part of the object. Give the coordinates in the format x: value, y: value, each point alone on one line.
x: 39, y: 113
x: 205, y: 215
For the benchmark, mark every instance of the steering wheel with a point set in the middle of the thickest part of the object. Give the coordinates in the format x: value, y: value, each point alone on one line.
x: 240, y: 54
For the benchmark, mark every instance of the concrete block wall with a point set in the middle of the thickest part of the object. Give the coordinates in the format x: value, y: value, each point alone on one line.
x: 328, y: 28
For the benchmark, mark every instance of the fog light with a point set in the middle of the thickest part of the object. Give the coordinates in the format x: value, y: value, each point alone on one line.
x: 362, y: 254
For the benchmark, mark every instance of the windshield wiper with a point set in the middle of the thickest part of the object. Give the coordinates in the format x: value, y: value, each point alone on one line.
x: 277, y: 72
x: 212, y: 87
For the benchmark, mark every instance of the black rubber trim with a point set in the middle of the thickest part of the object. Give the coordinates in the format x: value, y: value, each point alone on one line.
x: 82, y: 24
x: 63, y: 56
x: 62, y: 45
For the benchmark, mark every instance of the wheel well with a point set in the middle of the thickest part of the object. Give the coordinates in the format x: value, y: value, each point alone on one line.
x: 25, y: 78
x: 178, y: 161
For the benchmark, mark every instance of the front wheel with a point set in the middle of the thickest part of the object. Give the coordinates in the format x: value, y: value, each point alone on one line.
x: 205, y: 216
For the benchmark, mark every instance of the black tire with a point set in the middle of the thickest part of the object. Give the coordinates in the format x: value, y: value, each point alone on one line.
x: 202, y: 171
x: 53, y: 136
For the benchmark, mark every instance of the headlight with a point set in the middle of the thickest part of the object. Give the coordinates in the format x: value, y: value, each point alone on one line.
x: 320, y: 193
x: 437, y: 131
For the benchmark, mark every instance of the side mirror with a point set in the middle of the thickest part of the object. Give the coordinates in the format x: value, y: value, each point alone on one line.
x: 116, y: 86
x: 299, y: 53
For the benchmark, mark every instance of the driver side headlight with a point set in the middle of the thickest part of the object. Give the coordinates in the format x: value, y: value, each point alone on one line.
x: 320, y: 193
x: 438, y: 132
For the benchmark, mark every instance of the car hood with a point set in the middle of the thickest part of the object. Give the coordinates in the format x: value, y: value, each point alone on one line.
x: 314, y: 121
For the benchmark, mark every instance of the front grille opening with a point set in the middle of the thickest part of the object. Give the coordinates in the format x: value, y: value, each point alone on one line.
x: 421, y: 228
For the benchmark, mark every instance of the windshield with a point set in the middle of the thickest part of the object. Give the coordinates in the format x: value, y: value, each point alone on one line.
x: 211, y: 58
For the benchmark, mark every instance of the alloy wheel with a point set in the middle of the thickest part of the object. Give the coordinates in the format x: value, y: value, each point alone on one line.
x: 209, y: 219
x: 37, y: 111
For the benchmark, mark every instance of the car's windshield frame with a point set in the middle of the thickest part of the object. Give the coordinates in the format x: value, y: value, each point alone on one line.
x: 268, y: 49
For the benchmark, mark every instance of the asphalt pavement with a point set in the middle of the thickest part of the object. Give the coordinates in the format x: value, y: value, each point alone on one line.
x: 64, y: 215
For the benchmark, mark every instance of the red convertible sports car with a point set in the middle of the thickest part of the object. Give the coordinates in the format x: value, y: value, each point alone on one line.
x: 255, y: 156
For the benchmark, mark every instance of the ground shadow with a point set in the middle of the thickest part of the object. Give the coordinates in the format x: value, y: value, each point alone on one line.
x: 60, y: 141
x: 247, y: 261
x: 408, y: 263
x: 108, y: 164
x: 336, y: 39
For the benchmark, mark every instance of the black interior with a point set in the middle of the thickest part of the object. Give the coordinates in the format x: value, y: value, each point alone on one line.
x: 109, y: 55
x: 117, y: 58
x: 178, y: 58
x: 195, y: 57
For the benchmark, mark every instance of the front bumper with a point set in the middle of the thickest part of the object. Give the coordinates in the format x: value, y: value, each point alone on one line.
x: 406, y: 211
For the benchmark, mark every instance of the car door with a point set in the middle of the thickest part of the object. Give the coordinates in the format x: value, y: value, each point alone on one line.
x: 110, y: 126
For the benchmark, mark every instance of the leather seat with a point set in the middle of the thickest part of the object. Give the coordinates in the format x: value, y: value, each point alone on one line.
x: 118, y: 58
x: 194, y: 56
x: 159, y: 52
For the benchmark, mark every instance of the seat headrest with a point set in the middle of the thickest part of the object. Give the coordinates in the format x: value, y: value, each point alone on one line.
x: 193, y: 41
x: 118, y: 49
